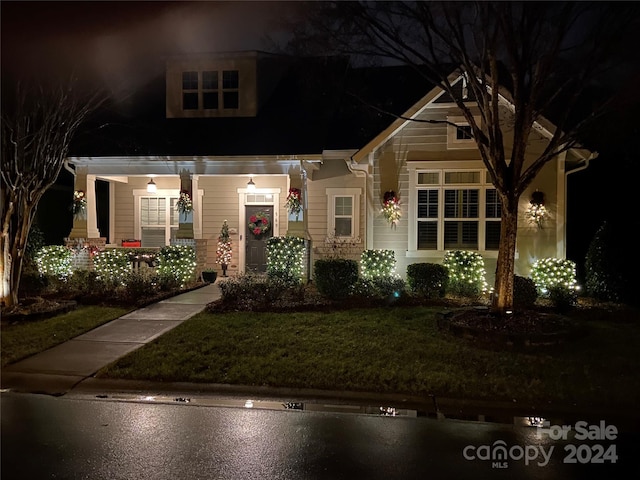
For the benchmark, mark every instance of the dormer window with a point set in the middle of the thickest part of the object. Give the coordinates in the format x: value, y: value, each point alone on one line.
x: 200, y: 90
x: 212, y: 85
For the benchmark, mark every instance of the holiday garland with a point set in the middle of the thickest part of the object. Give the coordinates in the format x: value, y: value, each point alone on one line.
x: 391, y: 208
x: 79, y: 205
x: 293, y: 201
x: 184, y: 203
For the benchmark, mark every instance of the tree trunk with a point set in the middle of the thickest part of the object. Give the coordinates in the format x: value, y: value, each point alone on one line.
x: 503, y: 289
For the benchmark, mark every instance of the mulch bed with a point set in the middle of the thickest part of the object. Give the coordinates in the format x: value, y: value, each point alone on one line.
x: 37, y: 308
x: 528, y: 328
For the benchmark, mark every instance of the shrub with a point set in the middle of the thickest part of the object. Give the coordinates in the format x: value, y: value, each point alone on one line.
x: 54, y: 260
x: 255, y: 292
x: 429, y: 280
x: 285, y: 259
x: 466, y: 273
x: 562, y: 298
x: 112, y: 265
x: 179, y: 261
x: 607, y: 272
x: 525, y: 292
x: 389, y: 288
x: 139, y: 285
x: 334, y: 278
x: 377, y: 263
x: 552, y: 272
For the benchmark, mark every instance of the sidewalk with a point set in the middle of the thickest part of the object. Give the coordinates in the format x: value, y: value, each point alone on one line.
x: 58, y: 370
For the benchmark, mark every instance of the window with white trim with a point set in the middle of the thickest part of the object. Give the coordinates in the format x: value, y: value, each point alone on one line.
x: 159, y: 220
x: 343, y: 212
x: 459, y: 133
x: 456, y: 210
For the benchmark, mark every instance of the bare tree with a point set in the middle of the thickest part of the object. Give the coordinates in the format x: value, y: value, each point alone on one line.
x: 39, y: 120
x: 539, y: 57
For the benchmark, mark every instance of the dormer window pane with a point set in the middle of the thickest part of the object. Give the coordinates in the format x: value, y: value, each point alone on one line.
x: 189, y: 80
x: 190, y: 101
x: 210, y: 80
x: 230, y: 99
x: 210, y: 100
x: 230, y: 79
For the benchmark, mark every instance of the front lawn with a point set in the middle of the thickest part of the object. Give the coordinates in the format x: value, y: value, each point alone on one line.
x: 21, y: 339
x: 391, y: 350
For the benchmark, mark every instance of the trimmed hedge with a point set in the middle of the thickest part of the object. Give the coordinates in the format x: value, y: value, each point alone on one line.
x: 429, y: 280
x: 335, y: 278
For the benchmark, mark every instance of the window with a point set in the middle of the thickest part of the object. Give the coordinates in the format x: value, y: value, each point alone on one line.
x: 343, y: 212
x: 201, y: 90
x: 158, y: 220
x: 459, y: 133
x: 455, y: 210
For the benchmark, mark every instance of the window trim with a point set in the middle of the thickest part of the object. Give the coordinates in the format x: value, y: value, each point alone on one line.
x: 484, y: 185
x: 332, y: 194
x: 168, y: 193
x: 453, y: 142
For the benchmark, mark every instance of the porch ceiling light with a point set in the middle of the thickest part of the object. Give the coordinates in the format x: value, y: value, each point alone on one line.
x: 251, y: 186
x: 151, y: 186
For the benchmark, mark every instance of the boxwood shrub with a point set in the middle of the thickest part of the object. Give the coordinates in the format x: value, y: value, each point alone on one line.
x: 525, y: 292
x: 429, y: 280
x: 334, y: 278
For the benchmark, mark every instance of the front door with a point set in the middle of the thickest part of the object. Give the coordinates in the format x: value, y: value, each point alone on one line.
x: 256, y: 243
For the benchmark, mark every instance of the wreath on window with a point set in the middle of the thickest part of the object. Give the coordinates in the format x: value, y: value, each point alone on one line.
x: 259, y: 223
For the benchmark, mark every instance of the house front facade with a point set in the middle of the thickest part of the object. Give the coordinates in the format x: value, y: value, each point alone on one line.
x: 238, y: 131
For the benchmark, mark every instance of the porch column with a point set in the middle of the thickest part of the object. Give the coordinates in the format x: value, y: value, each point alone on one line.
x: 92, y: 208
x: 185, y: 228
x: 79, y: 229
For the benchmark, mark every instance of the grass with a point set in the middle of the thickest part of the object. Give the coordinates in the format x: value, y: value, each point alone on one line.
x: 23, y: 339
x: 390, y: 350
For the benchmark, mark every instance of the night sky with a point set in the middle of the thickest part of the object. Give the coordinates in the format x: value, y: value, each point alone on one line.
x: 121, y: 41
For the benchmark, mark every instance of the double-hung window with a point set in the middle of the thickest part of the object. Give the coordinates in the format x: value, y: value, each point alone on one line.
x: 158, y: 220
x: 455, y: 210
x: 343, y: 212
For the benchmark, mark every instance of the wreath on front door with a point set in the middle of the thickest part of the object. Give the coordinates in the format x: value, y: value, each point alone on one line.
x: 259, y: 223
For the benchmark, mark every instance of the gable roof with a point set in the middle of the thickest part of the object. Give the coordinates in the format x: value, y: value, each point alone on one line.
x: 578, y: 155
x: 318, y: 104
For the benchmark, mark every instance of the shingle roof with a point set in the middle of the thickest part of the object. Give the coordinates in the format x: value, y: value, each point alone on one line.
x: 319, y: 104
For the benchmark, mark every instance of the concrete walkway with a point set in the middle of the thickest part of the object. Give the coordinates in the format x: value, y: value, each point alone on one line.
x: 58, y: 369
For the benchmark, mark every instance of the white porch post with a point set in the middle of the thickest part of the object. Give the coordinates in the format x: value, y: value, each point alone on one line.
x: 92, y: 208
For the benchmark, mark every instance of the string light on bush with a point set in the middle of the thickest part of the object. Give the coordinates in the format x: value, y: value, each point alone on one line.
x: 178, y: 261
x: 377, y: 263
x: 55, y: 260
x: 554, y: 272
x: 466, y: 272
x: 285, y: 257
x: 112, y: 264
